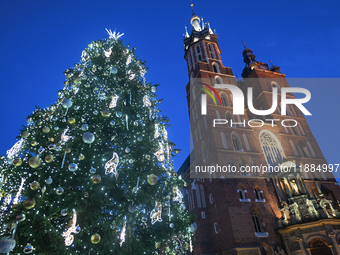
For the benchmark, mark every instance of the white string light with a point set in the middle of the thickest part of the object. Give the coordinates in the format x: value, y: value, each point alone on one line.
x: 64, y: 137
x: 67, y: 235
x: 111, y: 165
x: 13, y: 152
x: 179, y: 195
x: 17, y: 196
x: 156, y: 131
x: 113, y: 101
x: 156, y: 214
x: 146, y: 101
x: 122, y: 235
x: 159, y: 154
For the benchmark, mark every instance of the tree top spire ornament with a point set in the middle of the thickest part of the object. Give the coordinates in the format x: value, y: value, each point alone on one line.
x: 114, y: 35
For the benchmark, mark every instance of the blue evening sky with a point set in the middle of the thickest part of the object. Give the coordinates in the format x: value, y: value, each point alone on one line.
x: 41, y: 39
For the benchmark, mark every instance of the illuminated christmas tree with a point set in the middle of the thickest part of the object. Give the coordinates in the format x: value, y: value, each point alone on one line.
x: 93, y: 173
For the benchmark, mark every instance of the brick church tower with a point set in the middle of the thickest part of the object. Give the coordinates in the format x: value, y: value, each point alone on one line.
x: 286, y: 212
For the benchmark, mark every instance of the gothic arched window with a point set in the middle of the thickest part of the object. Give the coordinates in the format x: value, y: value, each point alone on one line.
x: 215, y: 68
x: 218, y: 80
x: 229, y: 118
x: 224, y: 99
x: 257, y: 222
x: 236, y: 142
x: 271, y: 148
x: 275, y: 85
x: 211, y: 50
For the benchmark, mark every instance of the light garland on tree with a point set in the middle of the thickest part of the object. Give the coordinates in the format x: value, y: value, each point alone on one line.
x: 64, y: 137
x: 17, y: 196
x: 67, y: 235
x: 113, y: 101
x: 178, y: 195
x: 122, y: 235
x: 156, y: 130
x: 146, y: 101
x: 108, y: 53
x: 156, y: 213
x: 14, y: 151
x: 160, y: 153
x: 111, y: 165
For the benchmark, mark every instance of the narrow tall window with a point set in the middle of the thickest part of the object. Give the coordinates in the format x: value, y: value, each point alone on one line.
x: 242, y: 166
x: 246, y: 142
x: 236, y: 142
x: 199, y: 55
x: 257, y: 222
x: 204, y: 152
x: 294, y: 148
x: 242, y: 193
x: 301, y: 128
x: 212, y: 55
x: 259, y: 195
x: 275, y: 85
x: 215, y: 68
x: 229, y: 118
x: 204, y: 205
x: 218, y: 80
x: 224, y: 140
x: 216, y: 227
x: 224, y: 100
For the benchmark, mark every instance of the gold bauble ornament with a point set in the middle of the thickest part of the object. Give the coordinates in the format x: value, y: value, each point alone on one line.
x: 68, y: 150
x: 96, y: 179
x: 17, y: 162
x: 24, y: 134
x: 157, y: 245
x: 35, y: 185
x: 152, y: 179
x: 81, y: 157
x: 51, y: 139
x: 39, y: 122
x: 95, y: 238
x: 106, y: 113
x: 147, y: 157
x: 29, y: 203
x: 71, y: 121
x: 49, y: 158
x: 34, y: 143
x: 46, y: 130
x: 34, y: 162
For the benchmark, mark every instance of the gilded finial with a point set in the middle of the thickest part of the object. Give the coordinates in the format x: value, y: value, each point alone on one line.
x: 271, y: 62
x: 192, y: 7
x: 244, y: 44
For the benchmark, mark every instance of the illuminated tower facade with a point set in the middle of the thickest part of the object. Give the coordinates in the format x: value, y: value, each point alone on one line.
x: 291, y: 212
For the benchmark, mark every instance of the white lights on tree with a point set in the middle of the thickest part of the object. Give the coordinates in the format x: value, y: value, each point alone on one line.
x: 165, y: 134
x: 68, y: 234
x: 64, y: 137
x: 156, y: 214
x: 160, y: 153
x: 13, y: 152
x: 111, y: 165
x: 146, y: 101
x: 17, y: 196
x: 129, y: 59
x: 113, y: 101
x: 156, y: 131
x: 178, y: 195
x: 123, y: 233
x: 113, y: 35
x: 108, y: 53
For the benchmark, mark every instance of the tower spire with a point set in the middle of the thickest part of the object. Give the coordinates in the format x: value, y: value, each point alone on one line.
x: 192, y: 7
